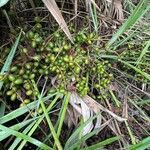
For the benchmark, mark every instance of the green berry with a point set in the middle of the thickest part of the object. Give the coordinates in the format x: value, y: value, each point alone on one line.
x: 11, y: 77
x: 13, y: 69
x: 26, y: 101
x: 13, y: 97
x: 18, y: 81
x: 10, y: 92
x: 29, y: 92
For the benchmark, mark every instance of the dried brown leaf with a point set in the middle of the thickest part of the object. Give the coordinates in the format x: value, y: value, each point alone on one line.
x: 53, y: 8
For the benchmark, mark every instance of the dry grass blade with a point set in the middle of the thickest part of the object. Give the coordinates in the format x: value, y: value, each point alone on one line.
x: 93, y: 105
x: 53, y: 8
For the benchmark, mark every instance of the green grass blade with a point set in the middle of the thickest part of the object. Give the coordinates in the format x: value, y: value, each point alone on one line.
x: 40, y: 120
x: 62, y: 113
x: 17, y: 140
x: 10, y: 58
x: 52, y: 129
x: 20, y: 111
x: 25, y: 137
x: 142, y: 145
x: 6, y: 67
x: 144, y: 74
x: 138, y: 12
x: 76, y: 135
x: 144, y: 51
x: 3, y: 2
x: 4, y: 135
x: 102, y: 144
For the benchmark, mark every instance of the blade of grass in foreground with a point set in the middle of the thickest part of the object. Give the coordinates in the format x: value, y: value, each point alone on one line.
x: 25, y: 137
x: 3, y: 2
x: 144, y: 51
x: 20, y: 111
x: 102, y: 144
x: 39, y: 121
x: 4, y: 135
x: 6, y: 68
x: 142, y: 145
x: 17, y: 140
x: 62, y: 113
x: 138, y: 12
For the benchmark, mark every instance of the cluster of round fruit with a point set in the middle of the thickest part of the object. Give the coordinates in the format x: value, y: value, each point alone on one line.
x: 68, y: 66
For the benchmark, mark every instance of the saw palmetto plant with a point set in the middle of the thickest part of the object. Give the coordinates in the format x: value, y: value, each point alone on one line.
x: 74, y: 74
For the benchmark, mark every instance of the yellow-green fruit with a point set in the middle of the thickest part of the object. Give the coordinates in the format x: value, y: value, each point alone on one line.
x: 13, y: 97
x: 26, y: 101
x: 10, y: 92
x: 18, y: 81
x: 29, y: 92
x: 13, y: 69
x: 22, y: 104
x: 11, y: 77
x: 33, y: 44
x: 40, y: 110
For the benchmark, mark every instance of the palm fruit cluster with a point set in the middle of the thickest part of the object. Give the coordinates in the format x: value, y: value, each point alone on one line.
x: 67, y: 66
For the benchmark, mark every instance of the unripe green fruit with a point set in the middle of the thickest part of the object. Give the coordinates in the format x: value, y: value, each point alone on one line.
x: 29, y: 92
x: 25, y: 50
x: 22, y: 104
x: 56, y: 49
x: 11, y: 77
x: 33, y: 44
x: 77, y: 70
x: 37, y: 19
x: 18, y: 81
x: 32, y: 76
x: 13, y: 69
x: 13, y: 97
x: 26, y: 101
x: 10, y: 92
x: 50, y: 45
x: 30, y: 34
x: 21, y: 72
x: 38, y: 26
x: 27, y: 86
x: 40, y: 110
